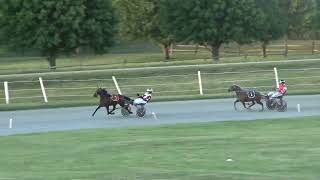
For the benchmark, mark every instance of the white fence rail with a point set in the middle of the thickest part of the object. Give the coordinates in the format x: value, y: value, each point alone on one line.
x: 43, y: 90
x: 193, y: 83
x: 200, y: 83
x: 116, y: 84
x: 6, y: 92
x: 276, y: 76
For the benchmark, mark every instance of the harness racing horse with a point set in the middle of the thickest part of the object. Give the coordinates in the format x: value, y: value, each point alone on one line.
x: 245, y: 95
x: 107, y: 100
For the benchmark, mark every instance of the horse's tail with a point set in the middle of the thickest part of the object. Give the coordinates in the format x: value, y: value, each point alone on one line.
x: 263, y: 96
x: 128, y: 99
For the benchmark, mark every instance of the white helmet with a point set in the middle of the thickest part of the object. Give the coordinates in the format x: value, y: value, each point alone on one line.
x: 149, y: 90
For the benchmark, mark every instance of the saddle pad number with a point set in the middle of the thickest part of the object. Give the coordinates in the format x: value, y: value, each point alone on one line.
x: 115, y: 98
x: 251, y: 94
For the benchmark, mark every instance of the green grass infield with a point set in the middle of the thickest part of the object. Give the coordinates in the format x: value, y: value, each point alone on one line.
x: 283, y: 149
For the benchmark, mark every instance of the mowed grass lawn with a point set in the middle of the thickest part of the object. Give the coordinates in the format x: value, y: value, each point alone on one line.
x: 118, y: 61
x: 175, y: 83
x: 77, y: 78
x: 264, y: 149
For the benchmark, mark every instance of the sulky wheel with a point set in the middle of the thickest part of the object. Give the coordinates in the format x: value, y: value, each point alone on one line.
x: 271, y: 104
x: 283, y: 107
x: 141, y: 111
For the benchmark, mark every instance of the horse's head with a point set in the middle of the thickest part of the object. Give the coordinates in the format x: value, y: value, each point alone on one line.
x: 234, y: 88
x: 100, y: 92
x: 97, y: 92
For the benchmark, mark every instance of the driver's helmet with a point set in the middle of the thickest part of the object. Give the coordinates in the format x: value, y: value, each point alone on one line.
x: 149, y: 91
x: 282, y: 81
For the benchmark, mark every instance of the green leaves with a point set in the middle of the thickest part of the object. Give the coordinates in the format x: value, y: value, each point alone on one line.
x: 210, y: 22
x: 61, y: 26
x: 141, y: 19
x: 98, y: 26
x: 299, y: 14
x: 58, y: 26
x: 272, y: 24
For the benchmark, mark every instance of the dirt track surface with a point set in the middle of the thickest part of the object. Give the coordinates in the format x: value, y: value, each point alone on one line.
x: 162, y: 113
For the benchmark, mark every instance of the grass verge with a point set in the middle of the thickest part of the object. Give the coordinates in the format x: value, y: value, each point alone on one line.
x: 175, y: 83
x: 260, y: 150
x: 18, y: 65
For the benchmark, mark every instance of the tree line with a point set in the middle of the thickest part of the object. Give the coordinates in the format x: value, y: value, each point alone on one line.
x: 56, y: 27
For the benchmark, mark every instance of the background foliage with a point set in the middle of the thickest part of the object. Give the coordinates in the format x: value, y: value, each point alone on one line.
x: 62, y: 27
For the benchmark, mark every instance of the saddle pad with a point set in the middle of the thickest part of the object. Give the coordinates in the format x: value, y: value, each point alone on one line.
x: 251, y: 94
x: 115, y: 98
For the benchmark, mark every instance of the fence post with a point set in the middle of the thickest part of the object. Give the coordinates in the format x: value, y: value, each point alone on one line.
x: 196, y: 49
x: 276, y: 76
x: 43, y: 90
x: 171, y: 49
x: 286, y: 47
x: 116, y: 83
x: 313, y: 47
x: 6, y: 92
x: 200, y: 83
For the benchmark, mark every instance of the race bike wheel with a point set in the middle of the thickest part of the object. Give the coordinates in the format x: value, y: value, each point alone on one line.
x: 271, y: 104
x: 141, y: 111
x: 124, y: 110
x: 283, y: 107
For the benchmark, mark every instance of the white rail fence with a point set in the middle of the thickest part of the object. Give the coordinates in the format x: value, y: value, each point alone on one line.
x: 196, y: 83
x: 6, y: 92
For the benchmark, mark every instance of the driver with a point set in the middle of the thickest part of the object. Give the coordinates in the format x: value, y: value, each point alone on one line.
x: 145, y: 98
x: 282, y: 90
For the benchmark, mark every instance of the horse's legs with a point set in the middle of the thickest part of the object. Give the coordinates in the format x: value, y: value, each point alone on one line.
x: 126, y: 106
x: 259, y: 102
x: 113, y: 108
x: 253, y: 103
x: 96, y: 110
x: 244, y: 104
x: 107, y: 107
x: 234, y: 104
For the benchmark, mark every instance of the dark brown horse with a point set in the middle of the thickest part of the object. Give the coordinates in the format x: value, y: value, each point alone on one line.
x: 245, y: 95
x: 107, y: 100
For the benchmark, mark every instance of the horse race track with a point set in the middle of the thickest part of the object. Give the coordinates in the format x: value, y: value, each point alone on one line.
x: 61, y: 119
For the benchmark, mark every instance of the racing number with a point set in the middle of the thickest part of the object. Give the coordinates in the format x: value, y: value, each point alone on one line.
x: 251, y: 94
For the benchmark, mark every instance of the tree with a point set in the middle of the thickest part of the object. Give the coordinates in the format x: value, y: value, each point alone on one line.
x: 273, y: 24
x: 140, y: 19
x: 316, y: 20
x: 57, y: 26
x: 211, y: 23
x: 99, y: 26
x: 300, y: 14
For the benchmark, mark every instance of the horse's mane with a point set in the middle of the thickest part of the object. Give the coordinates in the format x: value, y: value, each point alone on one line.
x: 104, y: 92
x: 237, y: 86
